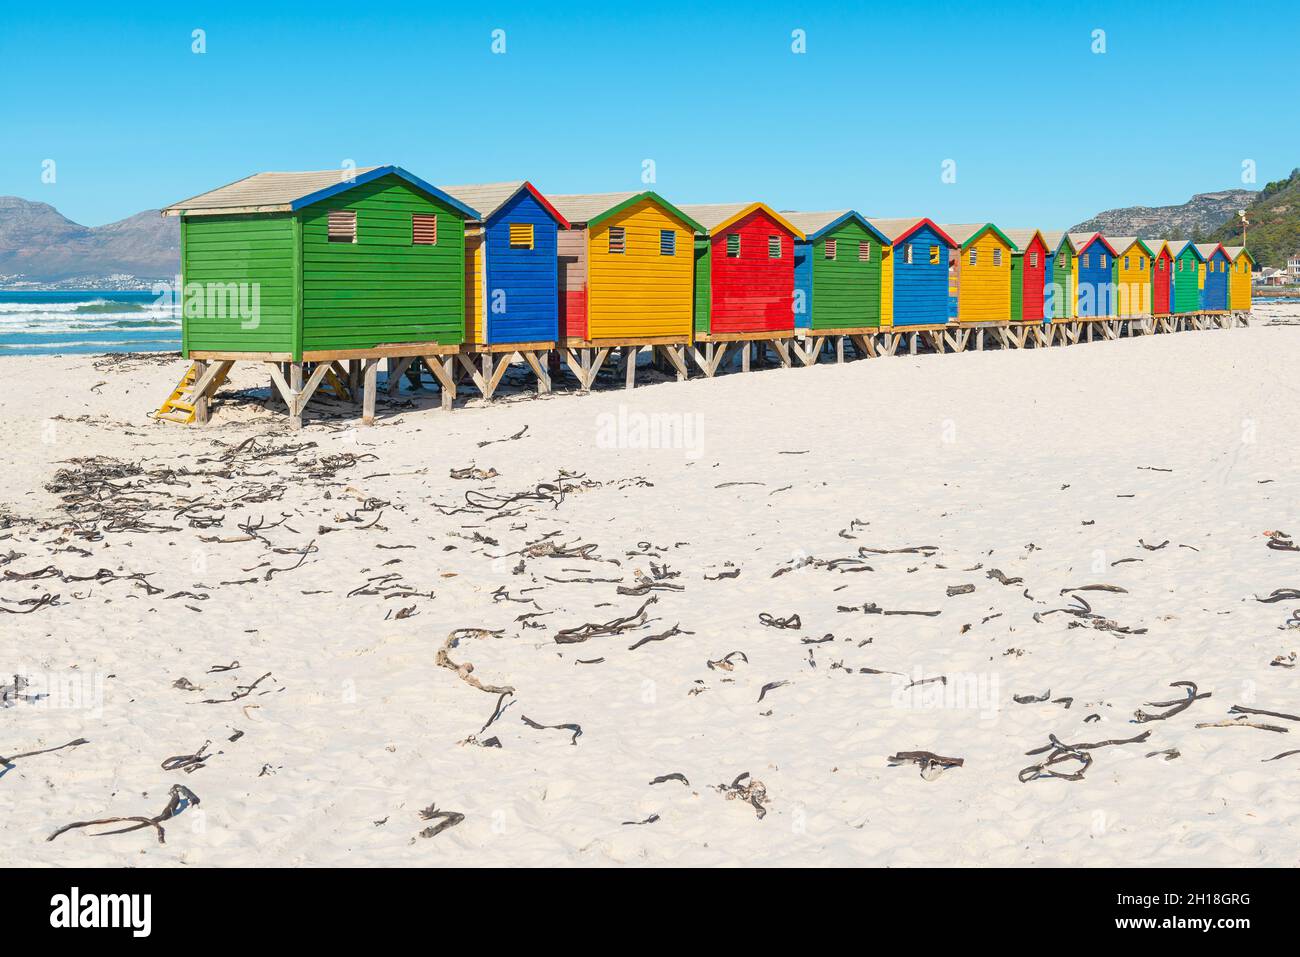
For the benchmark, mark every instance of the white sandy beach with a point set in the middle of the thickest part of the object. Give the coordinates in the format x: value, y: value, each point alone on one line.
x: 1155, y: 465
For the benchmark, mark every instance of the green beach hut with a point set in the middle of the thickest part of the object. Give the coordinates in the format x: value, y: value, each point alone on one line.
x: 1188, y: 266
x: 838, y: 271
x: 307, y: 267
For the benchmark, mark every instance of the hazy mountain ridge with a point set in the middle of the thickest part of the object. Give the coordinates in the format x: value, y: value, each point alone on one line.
x: 44, y: 246
x: 1274, y: 217
x: 1203, y: 214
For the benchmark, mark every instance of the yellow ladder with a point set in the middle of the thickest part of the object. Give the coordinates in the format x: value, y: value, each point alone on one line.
x: 179, y: 406
x: 336, y: 385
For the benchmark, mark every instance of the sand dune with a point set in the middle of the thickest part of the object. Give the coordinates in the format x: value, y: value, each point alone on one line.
x: 263, y: 617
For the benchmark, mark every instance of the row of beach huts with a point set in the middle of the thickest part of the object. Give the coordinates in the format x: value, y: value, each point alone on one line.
x: 324, y: 269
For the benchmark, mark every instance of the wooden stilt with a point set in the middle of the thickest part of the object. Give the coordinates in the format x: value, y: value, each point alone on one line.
x: 629, y: 366
x: 396, y: 369
x: 371, y: 376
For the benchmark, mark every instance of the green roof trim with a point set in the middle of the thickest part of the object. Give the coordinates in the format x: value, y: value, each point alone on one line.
x: 984, y: 229
x: 654, y: 197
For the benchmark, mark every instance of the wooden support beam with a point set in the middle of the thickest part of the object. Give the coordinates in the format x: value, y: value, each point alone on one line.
x: 396, y: 369
x: 597, y: 359
x: 498, y: 365
x: 536, y: 361
x: 676, y: 357
x: 295, y: 389
x: 477, y: 377
x: 200, y: 401
x: 370, y: 375
x: 630, y: 354
x: 782, y: 347
x: 444, y: 370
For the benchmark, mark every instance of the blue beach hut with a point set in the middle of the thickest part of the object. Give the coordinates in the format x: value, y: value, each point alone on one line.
x: 511, y: 265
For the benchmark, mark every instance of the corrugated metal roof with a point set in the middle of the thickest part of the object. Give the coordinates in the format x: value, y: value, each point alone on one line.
x: 273, y: 190
x: 893, y: 228
x: 285, y: 192
x: 1021, y: 238
x: 1207, y: 249
x: 1053, y: 238
x: 487, y: 198
x: 1122, y: 243
x: 812, y: 222
x: 715, y: 216
x: 1155, y: 244
x: 1234, y: 251
x: 709, y: 215
x: 579, y: 208
x: 960, y: 232
x: 1082, y: 239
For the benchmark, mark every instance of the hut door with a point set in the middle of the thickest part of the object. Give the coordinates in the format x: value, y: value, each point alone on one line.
x: 474, y: 301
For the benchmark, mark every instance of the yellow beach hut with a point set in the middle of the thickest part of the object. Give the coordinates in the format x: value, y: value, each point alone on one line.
x: 1239, y: 279
x: 627, y: 269
x: 980, y: 272
x: 1132, y: 276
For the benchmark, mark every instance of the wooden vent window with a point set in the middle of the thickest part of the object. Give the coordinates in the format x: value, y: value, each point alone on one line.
x: 773, y: 247
x: 907, y: 254
x: 997, y: 257
x: 667, y: 242
x: 424, y: 229
x: 617, y: 241
x: 521, y: 235
x: 733, y: 245
x: 864, y: 252
x: 1103, y: 260
x: 934, y: 255
x: 342, y: 226
x: 832, y: 247
x: 1084, y: 262
x: 1033, y: 260
x: 974, y: 257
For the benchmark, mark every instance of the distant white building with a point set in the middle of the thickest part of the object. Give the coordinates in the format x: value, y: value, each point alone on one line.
x: 1269, y: 276
x: 1293, y: 265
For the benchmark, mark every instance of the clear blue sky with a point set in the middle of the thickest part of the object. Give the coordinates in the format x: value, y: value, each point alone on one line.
x: 585, y: 92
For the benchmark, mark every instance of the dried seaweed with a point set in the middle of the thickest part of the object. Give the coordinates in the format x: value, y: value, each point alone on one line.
x: 180, y: 799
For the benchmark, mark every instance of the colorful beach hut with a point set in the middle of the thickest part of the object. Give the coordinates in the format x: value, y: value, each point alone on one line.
x: 1029, y: 265
x: 1162, y: 276
x: 914, y: 281
x: 511, y: 277
x: 744, y: 273
x: 1058, y: 280
x: 625, y: 268
x: 361, y: 263
x: 1188, y: 264
x: 1239, y: 279
x: 1094, y: 275
x: 980, y: 272
x: 1214, y: 287
x: 1132, y: 277
x: 837, y: 270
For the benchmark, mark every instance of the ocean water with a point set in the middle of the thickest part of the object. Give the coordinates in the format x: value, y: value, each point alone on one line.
x: 64, y: 323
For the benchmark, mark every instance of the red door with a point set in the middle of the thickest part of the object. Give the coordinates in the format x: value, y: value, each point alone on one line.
x: 1160, y: 284
x: 1035, y: 275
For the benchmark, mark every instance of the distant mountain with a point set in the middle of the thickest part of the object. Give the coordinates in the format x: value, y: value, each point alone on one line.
x: 1274, y: 217
x: 1195, y: 219
x: 42, y: 245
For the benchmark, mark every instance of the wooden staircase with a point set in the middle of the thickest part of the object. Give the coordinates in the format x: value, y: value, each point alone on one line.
x: 181, y: 406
